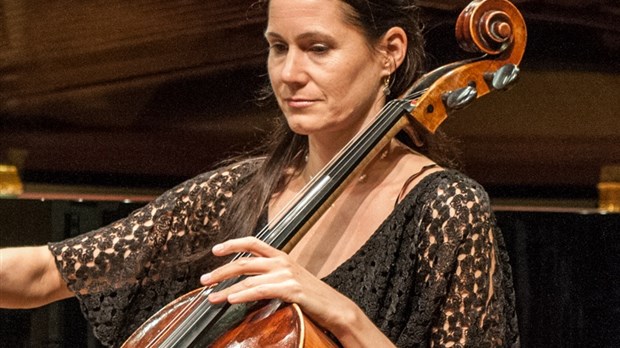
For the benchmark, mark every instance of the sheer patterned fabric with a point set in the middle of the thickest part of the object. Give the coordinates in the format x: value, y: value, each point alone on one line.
x: 435, y: 273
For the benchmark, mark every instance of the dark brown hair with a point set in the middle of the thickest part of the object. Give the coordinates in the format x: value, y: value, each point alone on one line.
x: 286, y: 150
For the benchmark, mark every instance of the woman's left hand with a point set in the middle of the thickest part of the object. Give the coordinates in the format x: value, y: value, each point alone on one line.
x: 273, y: 274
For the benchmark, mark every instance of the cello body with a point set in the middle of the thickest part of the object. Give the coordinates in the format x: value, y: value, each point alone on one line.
x: 287, y: 327
x: 274, y: 324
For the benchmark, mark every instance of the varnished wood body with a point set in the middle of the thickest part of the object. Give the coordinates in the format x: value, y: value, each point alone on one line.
x: 281, y: 327
x: 156, y: 328
x: 287, y: 327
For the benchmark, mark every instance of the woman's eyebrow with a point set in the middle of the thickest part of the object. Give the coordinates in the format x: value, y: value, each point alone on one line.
x: 305, y: 35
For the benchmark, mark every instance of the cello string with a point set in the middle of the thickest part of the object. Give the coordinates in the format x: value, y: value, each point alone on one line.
x: 203, y: 307
x: 391, y: 110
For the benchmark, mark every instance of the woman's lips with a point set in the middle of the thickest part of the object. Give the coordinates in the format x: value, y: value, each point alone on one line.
x: 299, y: 103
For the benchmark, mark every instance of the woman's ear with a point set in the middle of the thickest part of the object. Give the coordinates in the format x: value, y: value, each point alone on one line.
x: 394, y: 48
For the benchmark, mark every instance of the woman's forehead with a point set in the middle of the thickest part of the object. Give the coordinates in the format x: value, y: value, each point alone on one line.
x: 298, y: 9
x: 329, y: 16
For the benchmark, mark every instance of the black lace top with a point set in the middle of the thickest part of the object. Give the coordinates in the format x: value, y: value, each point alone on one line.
x: 434, y: 273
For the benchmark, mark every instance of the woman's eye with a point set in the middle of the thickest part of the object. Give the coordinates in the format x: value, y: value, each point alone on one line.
x: 277, y: 48
x: 319, y: 48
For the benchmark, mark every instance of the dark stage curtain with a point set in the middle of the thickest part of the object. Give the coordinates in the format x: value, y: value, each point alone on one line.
x: 566, y: 268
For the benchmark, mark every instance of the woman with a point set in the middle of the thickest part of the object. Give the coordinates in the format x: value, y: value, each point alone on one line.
x: 408, y: 255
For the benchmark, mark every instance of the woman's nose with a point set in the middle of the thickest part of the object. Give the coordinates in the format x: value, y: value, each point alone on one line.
x: 293, y: 68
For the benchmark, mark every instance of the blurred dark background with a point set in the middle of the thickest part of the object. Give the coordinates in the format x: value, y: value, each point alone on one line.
x: 145, y: 94
x: 128, y: 98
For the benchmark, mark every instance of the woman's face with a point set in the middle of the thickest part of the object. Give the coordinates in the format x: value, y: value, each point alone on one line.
x: 325, y: 76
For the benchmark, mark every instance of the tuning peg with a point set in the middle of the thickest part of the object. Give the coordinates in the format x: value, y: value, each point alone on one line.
x: 459, y: 98
x: 503, y: 78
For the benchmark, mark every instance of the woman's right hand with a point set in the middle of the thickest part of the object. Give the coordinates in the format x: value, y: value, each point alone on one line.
x: 274, y: 274
x: 29, y: 278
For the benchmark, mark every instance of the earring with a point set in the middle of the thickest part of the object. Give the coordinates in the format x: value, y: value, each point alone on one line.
x: 386, y: 85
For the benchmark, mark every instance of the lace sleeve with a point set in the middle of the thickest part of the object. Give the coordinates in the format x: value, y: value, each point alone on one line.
x: 124, y: 272
x: 463, y: 278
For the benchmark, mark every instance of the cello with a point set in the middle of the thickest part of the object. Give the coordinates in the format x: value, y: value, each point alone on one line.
x: 493, y: 27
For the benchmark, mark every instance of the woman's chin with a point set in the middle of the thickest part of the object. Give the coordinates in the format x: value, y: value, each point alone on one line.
x: 302, y: 127
x: 301, y: 131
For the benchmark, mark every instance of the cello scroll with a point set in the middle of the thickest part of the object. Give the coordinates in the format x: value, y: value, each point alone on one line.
x: 492, y: 27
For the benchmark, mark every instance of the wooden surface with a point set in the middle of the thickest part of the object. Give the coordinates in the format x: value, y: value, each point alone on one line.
x: 79, y: 52
x: 151, y: 92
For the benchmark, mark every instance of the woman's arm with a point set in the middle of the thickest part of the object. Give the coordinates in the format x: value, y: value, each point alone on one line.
x: 29, y: 278
x: 474, y: 309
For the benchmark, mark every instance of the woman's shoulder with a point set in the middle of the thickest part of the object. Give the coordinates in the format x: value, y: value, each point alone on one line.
x: 230, y: 172
x: 449, y: 187
x: 446, y: 177
x: 220, y: 181
x: 227, y: 174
